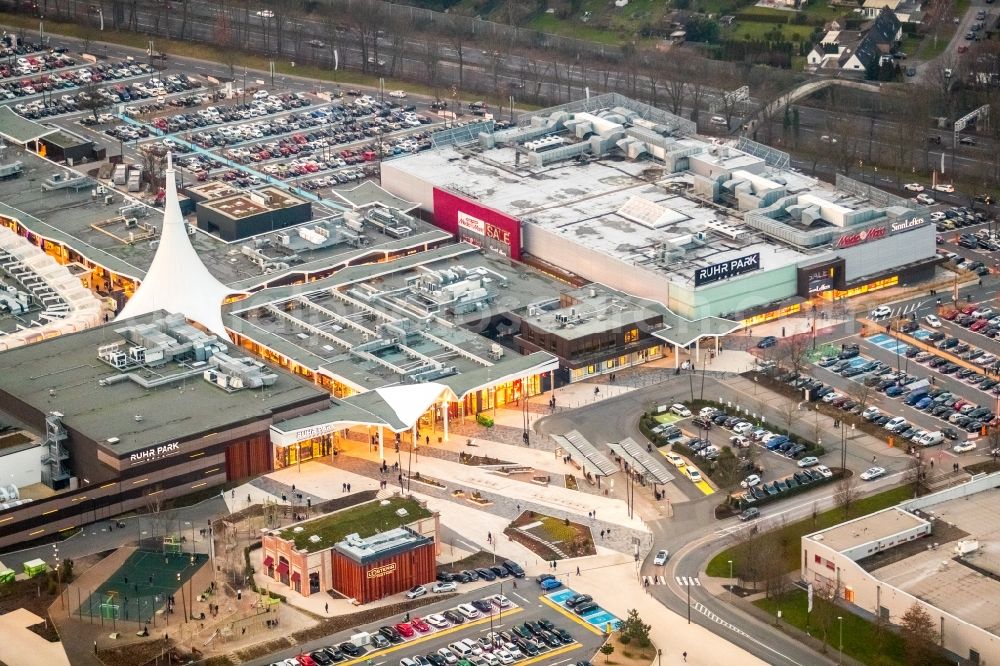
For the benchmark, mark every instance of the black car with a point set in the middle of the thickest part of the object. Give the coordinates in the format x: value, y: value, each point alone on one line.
x: 462, y: 577
x: 471, y: 574
x: 541, y: 578
x: 702, y: 422
x: 446, y: 577
x: 563, y: 635
x: 436, y: 659
x: 486, y: 574
x: 483, y: 606
x: 321, y: 657
x: 849, y: 351
x: 501, y: 572
x: 514, y: 568
x: 334, y: 653
x: 391, y: 634
x: 720, y: 419
x: 453, y: 617
x: 349, y: 648
x: 550, y: 639
x: 578, y: 599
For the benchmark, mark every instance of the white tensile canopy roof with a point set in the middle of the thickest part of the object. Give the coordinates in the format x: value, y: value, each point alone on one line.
x: 177, y: 280
x: 410, y: 401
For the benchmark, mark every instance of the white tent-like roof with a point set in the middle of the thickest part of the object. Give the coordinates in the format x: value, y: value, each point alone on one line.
x: 409, y: 401
x: 177, y: 280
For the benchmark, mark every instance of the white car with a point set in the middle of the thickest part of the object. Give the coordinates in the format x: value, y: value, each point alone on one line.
x: 945, y: 187
x: 448, y: 656
x: 872, y: 473
x: 932, y: 321
x: 693, y: 474
x: 707, y: 412
x: 399, y: 94
x: 824, y: 470
x: 500, y: 600
x: 913, y: 187
x: 826, y: 138
x: 809, y: 461
x: 440, y: 588
x: 925, y: 199
x: 937, y: 216
x: 743, y: 427
x: 437, y: 621
x: 415, y: 592
x: 830, y: 397
x: 962, y: 447
x: 750, y: 481
x: 504, y: 656
x: 265, y: 13
x: 661, y: 558
x: 881, y: 311
x: 680, y: 410
x: 675, y: 460
x: 739, y: 441
x: 468, y: 610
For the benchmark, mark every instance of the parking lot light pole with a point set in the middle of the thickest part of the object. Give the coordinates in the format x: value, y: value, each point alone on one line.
x: 840, y: 621
x: 730, y: 581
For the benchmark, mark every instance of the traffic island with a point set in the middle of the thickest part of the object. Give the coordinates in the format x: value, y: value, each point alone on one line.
x: 551, y: 538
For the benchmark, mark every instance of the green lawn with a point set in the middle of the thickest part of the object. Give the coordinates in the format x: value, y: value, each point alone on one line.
x: 753, y: 30
x: 861, y: 639
x: 792, y: 533
x: 365, y: 520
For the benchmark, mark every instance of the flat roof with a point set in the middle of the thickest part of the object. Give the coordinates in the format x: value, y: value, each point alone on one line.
x: 872, y: 527
x: 17, y: 129
x: 320, y: 324
x: 66, y: 216
x: 968, y: 587
x: 590, y: 203
x: 63, y: 374
x: 381, y: 546
x: 247, y: 204
x: 365, y: 520
x: 591, y: 309
x: 65, y: 139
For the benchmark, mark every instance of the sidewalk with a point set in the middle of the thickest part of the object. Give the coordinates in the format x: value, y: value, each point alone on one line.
x: 20, y: 645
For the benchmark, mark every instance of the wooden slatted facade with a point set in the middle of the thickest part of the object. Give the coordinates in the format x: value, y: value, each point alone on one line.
x: 248, y: 456
x: 371, y: 581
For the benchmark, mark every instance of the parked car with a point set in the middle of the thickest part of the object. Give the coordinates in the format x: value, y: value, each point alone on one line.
x: 768, y: 341
x: 809, y: 461
x: 415, y: 592
x: 441, y: 588
x: 680, y: 410
x: 750, y: 514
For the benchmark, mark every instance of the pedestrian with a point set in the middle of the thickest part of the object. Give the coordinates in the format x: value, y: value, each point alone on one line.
x: 400, y: 480
x: 126, y: 580
x: 489, y: 537
x: 873, y: 459
x: 326, y: 608
x: 932, y: 463
x: 427, y: 440
x: 685, y: 655
x: 293, y: 487
x: 602, y: 534
x: 348, y: 487
x: 578, y: 571
x: 248, y: 498
x: 233, y: 496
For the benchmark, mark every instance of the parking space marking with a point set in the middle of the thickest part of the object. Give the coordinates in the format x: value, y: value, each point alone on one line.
x: 575, y: 618
x: 554, y: 653
x: 425, y: 637
x: 520, y: 597
x: 704, y: 487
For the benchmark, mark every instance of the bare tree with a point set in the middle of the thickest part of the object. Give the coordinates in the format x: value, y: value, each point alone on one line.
x: 457, y: 34
x: 92, y: 100
x: 846, y: 494
x: 920, y: 636
x: 824, y: 612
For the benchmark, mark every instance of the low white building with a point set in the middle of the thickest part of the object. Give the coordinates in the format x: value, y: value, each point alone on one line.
x: 953, y: 571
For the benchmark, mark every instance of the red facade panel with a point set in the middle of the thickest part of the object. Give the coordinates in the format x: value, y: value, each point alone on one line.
x: 382, y: 578
x: 477, y: 224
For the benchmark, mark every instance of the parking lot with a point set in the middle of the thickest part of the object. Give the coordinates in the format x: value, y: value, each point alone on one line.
x: 506, y: 625
x: 936, y: 381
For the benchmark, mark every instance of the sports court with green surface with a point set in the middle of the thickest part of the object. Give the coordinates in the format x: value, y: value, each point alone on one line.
x: 129, y: 593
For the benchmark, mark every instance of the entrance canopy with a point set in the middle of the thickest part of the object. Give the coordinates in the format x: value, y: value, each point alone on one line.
x: 16, y: 129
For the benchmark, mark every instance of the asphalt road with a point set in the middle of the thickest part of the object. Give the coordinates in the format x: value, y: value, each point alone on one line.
x: 528, y: 607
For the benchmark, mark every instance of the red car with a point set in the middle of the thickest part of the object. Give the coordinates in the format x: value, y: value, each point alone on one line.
x: 404, y: 629
x: 978, y: 325
x: 419, y: 624
x: 305, y: 660
x: 969, y: 309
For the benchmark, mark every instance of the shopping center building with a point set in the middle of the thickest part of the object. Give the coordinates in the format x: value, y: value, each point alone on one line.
x: 613, y: 191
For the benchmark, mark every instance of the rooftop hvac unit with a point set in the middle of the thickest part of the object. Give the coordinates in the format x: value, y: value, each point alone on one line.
x: 401, y: 512
x: 109, y: 199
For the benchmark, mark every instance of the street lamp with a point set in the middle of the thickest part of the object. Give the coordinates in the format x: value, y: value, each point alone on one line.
x: 659, y: 657
x: 840, y: 621
x: 730, y: 581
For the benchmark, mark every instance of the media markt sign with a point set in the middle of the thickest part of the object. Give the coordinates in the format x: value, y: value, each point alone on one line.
x: 154, y: 453
x: 483, y: 234
x: 863, y: 236
x: 384, y: 570
x: 727, y: 269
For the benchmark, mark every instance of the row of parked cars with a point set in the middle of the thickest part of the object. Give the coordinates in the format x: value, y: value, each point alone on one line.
x: 978, y: 319
x: 757, y: 490
x: 28, y: 59
x: 971, y: 265
x: 956, y: 218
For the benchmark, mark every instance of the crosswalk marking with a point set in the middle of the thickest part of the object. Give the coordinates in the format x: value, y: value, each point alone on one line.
x: 654, y: 580
x: 688, y: 581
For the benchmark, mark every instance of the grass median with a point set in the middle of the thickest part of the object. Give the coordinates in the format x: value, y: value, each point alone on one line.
x: 790, y: 535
